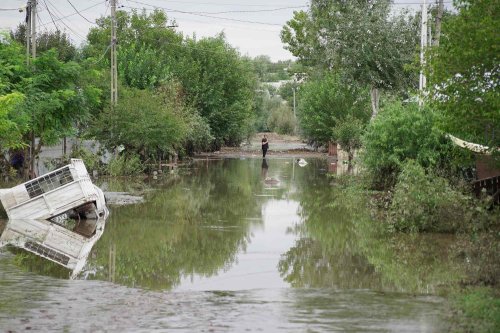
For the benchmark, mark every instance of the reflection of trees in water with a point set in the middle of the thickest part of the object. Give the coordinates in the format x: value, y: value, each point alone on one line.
x: 310, y: 264
x: 327, y: 254
x: 341, y: 247
x: 30, y: 262
x: 195, y: 226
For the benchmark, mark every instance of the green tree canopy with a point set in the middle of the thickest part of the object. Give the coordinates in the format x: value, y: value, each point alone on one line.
x: 464, y: 72
x: 215, y: 79
x: 327, y: 101
x: 360, y: 39
x: 142, y: 122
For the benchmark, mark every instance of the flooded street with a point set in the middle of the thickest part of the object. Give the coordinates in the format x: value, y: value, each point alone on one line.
x: 237, y: 245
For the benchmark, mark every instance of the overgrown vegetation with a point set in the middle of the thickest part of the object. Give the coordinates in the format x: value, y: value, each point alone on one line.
x: 400, y: 133
x: 425, y: 202
x: 418, y: 177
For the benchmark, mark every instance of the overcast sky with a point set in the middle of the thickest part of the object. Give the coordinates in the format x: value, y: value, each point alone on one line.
x: 258, y: 34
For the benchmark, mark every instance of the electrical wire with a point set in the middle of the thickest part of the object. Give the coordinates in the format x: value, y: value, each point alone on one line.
x: 60, y: 19
x: 86, y: 19
x: 251, y: 11
x: 81, y: 10
x: 51, y: 16
x: 219, y: 4
x: 102, y: 56
x: 203, y: 15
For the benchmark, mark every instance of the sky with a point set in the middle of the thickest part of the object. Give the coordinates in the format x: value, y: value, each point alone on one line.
x: 252, y: 27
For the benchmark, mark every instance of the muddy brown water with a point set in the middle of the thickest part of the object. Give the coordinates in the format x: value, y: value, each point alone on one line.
x: 237, y: 245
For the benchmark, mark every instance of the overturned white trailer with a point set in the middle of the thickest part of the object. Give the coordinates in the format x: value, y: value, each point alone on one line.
x: 67, y: 189
x: 68, y: 248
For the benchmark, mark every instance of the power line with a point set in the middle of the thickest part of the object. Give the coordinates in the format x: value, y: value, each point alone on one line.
x: 86, y: 19
x: 252, y: 11
x: 219, y: 4
x: 60, y: 19
x: 81, y: 10
x: 203, y: 15
x: 51, y: 16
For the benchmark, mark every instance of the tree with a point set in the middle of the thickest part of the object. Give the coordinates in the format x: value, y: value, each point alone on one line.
x: 348, y: 134
x: 221, y: 85
x: 359, y: 38
x: 215, y: 79
x: 464, y: 73
x: 325, y: 102
x: 147, y: 47
x: 47, y: 40
x: 13, y: 122
x: 400, y: 133
x: 142, y: 123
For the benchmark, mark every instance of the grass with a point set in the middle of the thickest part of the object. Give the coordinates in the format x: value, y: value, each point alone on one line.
x: 476, y: 309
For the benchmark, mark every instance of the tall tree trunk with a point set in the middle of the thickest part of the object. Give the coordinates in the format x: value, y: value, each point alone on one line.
x: 375, y: 97
x: 439, y: 17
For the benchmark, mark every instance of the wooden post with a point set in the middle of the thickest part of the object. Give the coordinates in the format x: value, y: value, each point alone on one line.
x: 332, y: 149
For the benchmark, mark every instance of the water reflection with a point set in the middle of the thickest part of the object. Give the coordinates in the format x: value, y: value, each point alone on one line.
x: 216, y: 248
x: 340, y: 246
x: 65, y: 245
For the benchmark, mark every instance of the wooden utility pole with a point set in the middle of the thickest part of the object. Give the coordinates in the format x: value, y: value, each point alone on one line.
x: 114, y: 71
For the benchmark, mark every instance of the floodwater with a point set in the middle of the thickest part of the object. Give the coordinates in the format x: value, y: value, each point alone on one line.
x: 237, y: 245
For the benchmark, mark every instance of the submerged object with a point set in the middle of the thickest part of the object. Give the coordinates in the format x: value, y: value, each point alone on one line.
x: 62, y: 191
x: 271, y: 181
x: 67, y: 247
x: 301, y: 162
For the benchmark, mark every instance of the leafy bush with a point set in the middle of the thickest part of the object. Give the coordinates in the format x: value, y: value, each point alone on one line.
x: 348, y: 133
x: 477, y: 310
x: 425, y: 202
x: 92, y: 161
x: 125, y: 165
x: 281, y: 120
x: 326, y: 101
x: 143, y: 122
x: 399, y: 133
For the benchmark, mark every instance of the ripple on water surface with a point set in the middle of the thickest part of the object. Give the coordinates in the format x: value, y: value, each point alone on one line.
x: 224, y: 256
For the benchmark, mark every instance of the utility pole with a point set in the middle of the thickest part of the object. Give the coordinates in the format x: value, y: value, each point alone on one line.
x: 114, y: 71
x: 423, y: 45
x: 31, y: 46
x: 28, y: 31
x: 33, y: 29
x: 33, y: 55
x: 439, y: 17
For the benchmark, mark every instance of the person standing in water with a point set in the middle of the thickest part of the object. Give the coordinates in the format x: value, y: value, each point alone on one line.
x: 265, y: 146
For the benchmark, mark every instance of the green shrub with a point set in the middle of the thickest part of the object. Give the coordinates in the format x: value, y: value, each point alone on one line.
x: 425, y: 202
x: 348, y: 133
x: 399, y: 133
x: 477, y: 310
x: 326, y: 100
x: 92, y: 161
x: 125, y: 165
x: 281, y: 120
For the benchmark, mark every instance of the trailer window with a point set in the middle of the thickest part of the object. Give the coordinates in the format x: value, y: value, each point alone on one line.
x: 49, y: 182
